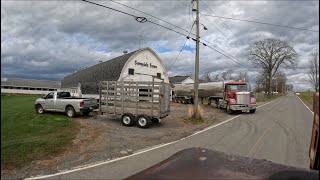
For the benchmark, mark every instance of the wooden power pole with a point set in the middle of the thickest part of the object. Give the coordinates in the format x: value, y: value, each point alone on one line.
x: 196, y: 71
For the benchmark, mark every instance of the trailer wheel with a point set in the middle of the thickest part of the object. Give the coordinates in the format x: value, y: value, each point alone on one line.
x: 86, y: 113
x: 155, y: 120
x: 143, y: 121
x: 252, y: 111
x: 229, y: 110
x: 70, y: 112
x: 127, y: 119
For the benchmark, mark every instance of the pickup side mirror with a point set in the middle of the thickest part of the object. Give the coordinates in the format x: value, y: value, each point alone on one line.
x: 44, y: 97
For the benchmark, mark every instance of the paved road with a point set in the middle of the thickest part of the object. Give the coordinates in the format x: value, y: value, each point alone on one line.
x: 279, y: 132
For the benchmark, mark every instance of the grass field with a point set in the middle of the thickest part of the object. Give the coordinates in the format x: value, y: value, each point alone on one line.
x: 27, y: 136
x: 273, y: 97
x: 307, y: 98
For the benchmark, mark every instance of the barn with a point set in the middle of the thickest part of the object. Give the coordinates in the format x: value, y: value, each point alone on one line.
x: 140, y: 65
x: 28, y: 86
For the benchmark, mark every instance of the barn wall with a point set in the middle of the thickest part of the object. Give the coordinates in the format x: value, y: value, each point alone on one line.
x: 145, y: 62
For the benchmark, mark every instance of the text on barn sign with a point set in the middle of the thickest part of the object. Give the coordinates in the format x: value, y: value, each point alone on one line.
x: 145, y: 64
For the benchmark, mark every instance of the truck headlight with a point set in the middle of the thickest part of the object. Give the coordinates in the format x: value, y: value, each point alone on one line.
x: 253, y: 100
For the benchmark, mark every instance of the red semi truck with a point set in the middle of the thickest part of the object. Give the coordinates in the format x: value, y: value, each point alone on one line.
x: 234, y: 96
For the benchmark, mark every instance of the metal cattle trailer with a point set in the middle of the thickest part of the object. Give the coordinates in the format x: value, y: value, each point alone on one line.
x: 137, y: 102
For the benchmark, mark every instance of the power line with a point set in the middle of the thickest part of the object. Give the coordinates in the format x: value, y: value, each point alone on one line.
x: 143, y: 20
x: 225, y: 25
x: 149, y: 15
x: 137, y: 18
x: 215, y: 26
x: 232, y: 59
x: 259, y: 22
x: 181, y: 48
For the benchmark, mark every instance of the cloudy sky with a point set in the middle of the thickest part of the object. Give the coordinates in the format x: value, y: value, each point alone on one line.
x: 52, y: 39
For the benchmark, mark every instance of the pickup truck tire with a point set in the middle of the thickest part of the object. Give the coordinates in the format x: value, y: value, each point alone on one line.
x: 70, y: 112
x: 252, y: 111
x: 143, y: 121
x: 127, y: 119
x: 39, y: 109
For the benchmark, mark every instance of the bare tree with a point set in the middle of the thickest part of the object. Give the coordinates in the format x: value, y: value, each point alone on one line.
x: 243, y: 76
x: 279, y: 82
x: 215, y: 78
x: 227, y: 75
x: 270, y: 54
x: 261, y: 82
x: 207, y: 77
x: 314, y: 70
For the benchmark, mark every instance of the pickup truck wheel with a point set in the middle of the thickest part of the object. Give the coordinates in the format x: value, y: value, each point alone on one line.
x: 143, y: 121
x: 127, y: 119
x: 40, y: 109
x: 252, y: 111
x: 70, y: 112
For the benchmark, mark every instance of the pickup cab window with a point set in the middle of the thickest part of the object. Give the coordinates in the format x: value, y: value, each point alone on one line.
x: 49, y: 96
x: 63, y: 95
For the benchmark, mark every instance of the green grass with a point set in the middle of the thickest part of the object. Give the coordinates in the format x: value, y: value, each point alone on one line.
x: 28, y: 136
x: 267, y: 99
x: 307, y: 98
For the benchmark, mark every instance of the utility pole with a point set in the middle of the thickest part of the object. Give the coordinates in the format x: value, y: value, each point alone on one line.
x: 196, y: 70
x: 277, y: 84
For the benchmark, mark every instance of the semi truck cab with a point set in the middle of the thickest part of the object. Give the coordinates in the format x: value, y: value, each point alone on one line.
x: 236, y: 97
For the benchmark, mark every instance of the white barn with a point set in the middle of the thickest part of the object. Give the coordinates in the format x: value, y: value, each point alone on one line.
x: 28, y: 86
x: 140, y: 65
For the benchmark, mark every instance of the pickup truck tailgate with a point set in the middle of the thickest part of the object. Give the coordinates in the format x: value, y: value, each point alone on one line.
x: 90, y: 102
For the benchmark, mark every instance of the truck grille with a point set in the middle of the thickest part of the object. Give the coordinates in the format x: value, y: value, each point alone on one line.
x: 243, y: 97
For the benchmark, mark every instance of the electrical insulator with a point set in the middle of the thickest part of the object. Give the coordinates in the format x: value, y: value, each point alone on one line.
x: 194, y: 5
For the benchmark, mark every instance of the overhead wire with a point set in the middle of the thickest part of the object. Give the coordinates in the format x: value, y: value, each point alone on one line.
x: 229, y: 56
x: 259, y: 22
x: 225, y: 25
x: 137, y: 18
x: 143, y: 20
x: 181, y: 48
x: 149, y: 15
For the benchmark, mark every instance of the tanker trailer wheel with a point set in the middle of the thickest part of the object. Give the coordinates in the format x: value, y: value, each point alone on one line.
x: 143, y: 121
x: 218, y: 104
x: 229, y: 110
x: 127, y: 119
x: 252, y: 111
x: 155, y: 120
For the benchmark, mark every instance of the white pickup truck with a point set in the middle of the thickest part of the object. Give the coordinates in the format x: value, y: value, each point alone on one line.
x: 63, y: 102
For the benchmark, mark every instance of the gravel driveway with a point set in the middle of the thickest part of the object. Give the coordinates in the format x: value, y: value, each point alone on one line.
x: 102, y: 138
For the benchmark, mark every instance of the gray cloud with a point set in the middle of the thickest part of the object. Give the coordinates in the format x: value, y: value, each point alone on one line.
x: 51, y: 39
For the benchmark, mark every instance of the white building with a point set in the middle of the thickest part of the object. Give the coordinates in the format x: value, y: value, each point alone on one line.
x: 141, y: 65
x: 28, y: 86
